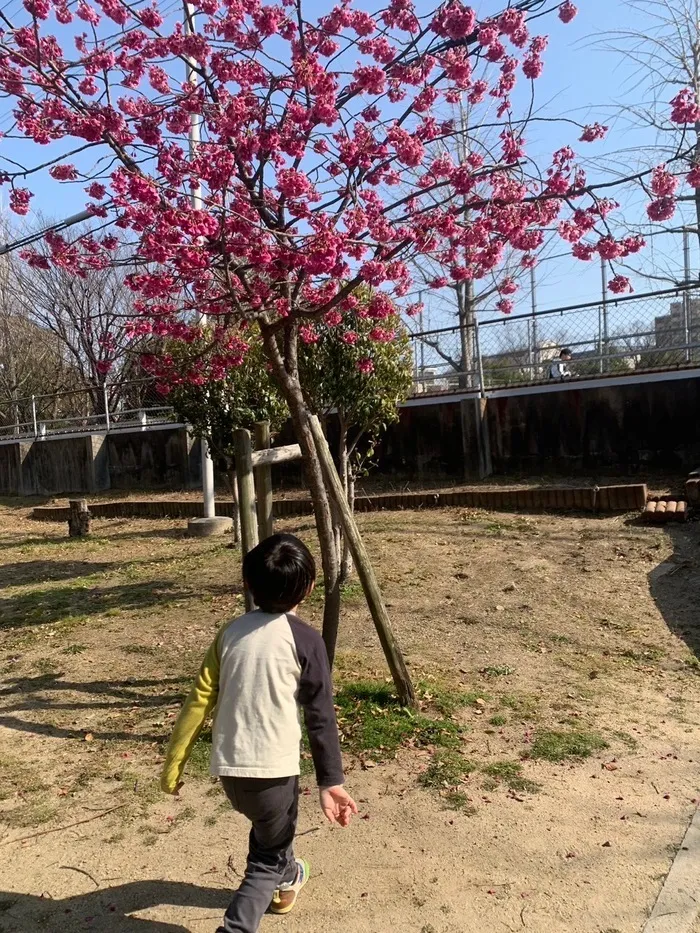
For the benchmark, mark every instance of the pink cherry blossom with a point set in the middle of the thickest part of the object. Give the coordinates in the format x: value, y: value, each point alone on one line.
x: 684, y: 107
x: 365, y: 366
x: 567, y: 11
x: 63, y: 172
x: 661, y: 209
x: 693, y: 176
x: 323, y: 166
x: 620, y: 284
x: 663, y: 183
x: 19, y: 200
x: 593, y: 132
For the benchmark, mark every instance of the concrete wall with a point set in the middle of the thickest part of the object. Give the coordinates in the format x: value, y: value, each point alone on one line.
x: 151, y: 459
x: 76, y: 464
x: 621, y: 428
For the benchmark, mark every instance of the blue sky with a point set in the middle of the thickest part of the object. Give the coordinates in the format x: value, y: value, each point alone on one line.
x: 579, y: 81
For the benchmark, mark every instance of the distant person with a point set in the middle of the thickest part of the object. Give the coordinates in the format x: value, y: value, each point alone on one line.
x: 259, y: 671
x: 559, y: 368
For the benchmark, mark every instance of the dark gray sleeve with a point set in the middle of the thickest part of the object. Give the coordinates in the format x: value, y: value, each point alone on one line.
x: 316, y: 699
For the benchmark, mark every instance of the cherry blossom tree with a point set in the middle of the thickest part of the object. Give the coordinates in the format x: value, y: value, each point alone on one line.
x: 293, y: 197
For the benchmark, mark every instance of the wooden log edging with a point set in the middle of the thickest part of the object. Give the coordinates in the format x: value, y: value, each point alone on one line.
x: 629, y: 498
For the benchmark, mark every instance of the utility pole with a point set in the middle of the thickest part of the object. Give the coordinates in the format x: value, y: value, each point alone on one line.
x: 196, y: 197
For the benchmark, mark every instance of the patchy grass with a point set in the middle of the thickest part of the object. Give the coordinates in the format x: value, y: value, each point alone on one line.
x: 510, y: 773
x: 498, y: 720
x: 498, y: 670
x: 198, y: 763
x: 553, y: 745
x: 75, y: 649
x: 446, y: 774
x: 371, y: 719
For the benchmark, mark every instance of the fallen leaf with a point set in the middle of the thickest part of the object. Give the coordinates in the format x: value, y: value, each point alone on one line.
x: 89, y: 737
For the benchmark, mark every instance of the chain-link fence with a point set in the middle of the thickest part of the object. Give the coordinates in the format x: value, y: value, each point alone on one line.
x: 100, y: 408
x: 659, y: 330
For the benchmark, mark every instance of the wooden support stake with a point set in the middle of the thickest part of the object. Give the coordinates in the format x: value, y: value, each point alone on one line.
x: 365, y: 571
x: 78, y: 518
x: 246, y: 496
x: 263, y: 480
x: 276, y: 455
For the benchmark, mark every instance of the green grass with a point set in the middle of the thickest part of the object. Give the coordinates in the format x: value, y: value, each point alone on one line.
x: 552, y: 745
x: 498, y: 670
x: 198, y: 763
x: 498, y: 720
x: 445, y: 774
x: 372, y: 720
x: 75, y: 649
x: 510, y: 773
x: 447, y: 768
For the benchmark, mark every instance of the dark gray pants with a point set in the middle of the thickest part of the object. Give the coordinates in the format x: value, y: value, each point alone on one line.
x: 271, y: 806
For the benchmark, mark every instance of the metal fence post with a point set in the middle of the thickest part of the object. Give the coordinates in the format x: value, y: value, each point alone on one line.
x: 106, y: 401
x: 34, y: 424
x: 686, y: 296
x: 534, y: 352
x: 604, y: 316
x: 479, y: 360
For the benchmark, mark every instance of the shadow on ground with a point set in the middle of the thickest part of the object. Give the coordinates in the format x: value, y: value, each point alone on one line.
x: 43, y: 694
x: 55, y: 604
x: 675, y: 585
x: 108, y: 910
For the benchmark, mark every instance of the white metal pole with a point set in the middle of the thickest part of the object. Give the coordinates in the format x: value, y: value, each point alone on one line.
x: 195, y: 137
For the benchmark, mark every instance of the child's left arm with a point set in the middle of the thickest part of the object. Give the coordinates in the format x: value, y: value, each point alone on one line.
x: 197, y: 706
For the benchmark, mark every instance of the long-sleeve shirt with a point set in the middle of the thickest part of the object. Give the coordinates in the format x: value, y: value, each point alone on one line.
x: 559, y: 370
x: 260, y: 671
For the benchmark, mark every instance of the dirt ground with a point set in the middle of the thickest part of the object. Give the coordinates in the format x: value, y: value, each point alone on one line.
x: 558, y: 624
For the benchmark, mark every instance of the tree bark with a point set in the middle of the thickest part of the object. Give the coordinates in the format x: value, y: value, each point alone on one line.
x: 285, y: 370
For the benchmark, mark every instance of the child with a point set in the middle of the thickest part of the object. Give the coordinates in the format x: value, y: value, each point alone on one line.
x: 260, y: 669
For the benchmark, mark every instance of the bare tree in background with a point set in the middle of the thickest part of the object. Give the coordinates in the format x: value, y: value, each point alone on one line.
x: 462, y: 299
x: 664, y: 47
x: 31, y: 358
x: 87, y: 315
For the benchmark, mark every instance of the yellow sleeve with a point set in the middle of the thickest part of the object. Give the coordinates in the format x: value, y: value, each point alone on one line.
x: 197, y: 706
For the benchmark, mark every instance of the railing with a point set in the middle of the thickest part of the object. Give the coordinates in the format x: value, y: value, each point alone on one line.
x: 654, y: 331
x: 658, y: 330
x: 113, y: 406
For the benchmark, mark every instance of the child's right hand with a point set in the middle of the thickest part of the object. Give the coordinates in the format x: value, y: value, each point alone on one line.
x: 337, y: 805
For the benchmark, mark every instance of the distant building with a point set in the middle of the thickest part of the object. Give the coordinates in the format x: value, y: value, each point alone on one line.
x: 669, y: 329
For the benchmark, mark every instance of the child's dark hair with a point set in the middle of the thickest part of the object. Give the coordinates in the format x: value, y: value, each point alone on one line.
x: 279, y: 573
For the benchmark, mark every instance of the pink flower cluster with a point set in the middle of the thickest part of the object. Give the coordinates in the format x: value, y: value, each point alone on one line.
x: 593, y: 132
x: 322, y: 164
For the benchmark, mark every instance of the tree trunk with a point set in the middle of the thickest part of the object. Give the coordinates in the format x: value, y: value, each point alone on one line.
x: 285, y: 371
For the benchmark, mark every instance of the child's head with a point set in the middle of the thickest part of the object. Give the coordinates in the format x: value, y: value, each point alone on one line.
x: 280, y: 573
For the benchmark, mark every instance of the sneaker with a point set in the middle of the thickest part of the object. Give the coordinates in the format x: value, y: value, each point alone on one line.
x: 285, y: 897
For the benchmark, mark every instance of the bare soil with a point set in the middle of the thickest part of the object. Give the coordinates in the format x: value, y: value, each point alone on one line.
x: 559, y: 624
